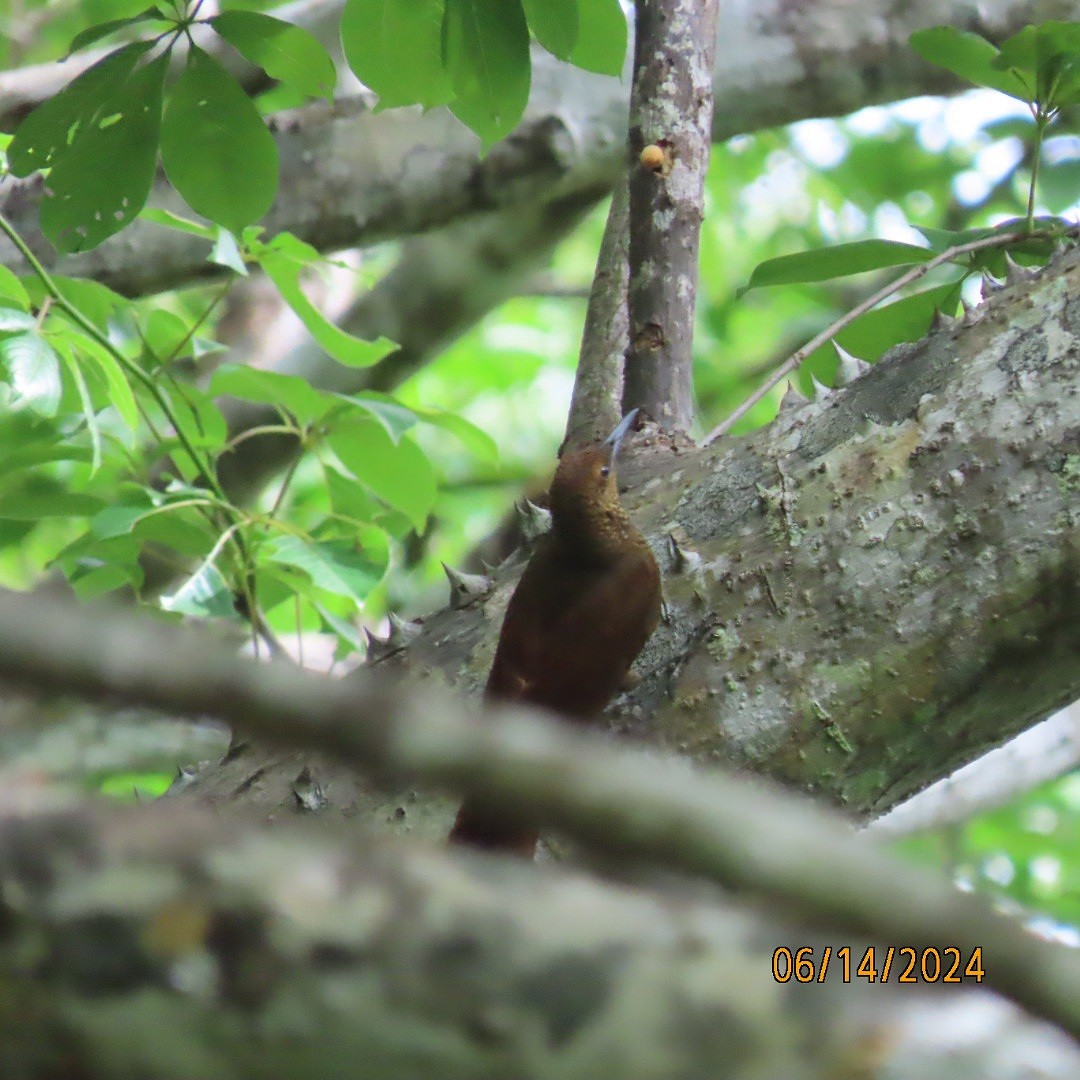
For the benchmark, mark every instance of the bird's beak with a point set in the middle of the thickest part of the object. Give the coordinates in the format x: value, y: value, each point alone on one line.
x: 614, y: 440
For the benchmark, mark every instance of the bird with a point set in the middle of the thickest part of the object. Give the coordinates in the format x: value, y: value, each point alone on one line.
x: 587, y: 602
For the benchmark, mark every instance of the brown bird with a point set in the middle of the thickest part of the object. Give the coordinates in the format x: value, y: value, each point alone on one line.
x: 584, y: 607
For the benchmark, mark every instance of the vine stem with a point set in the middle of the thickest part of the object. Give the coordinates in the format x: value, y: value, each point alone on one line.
x: 914, y: 274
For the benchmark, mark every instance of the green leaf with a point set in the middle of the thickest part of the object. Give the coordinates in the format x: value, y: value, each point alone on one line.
x: 227, y: 253
x: 486, y: 52
x: 872, y: 334
x: 339, y: 568
x: 554, y: 24
x: 474, y: 439
x: 33, y: 371
x: 54, y: 126
x: 602, y: 37
x: 179, y: 529
x: 120, y: 395
x: 288, y: 53
x: 348, y: 497
x: 180, y: 224
x: 205, y: 594
x: 289, y: 393
x: 840, y: 260
x: 96, y: 301
x: 29, y: 506
x: 395, y: 48
x: 395, y: 418
x: 199, y: 416
x: 399, y: 474
x: 11, y: 288
x: 90, y: 581
x: 166, y: 335
x: 971, y: 57
x: 942, y: 239
x: 347, y: 634
x: 217, y: 150
x: 64, y: 351
x: 122, y: 516
x: 1020, y: 53
x: 284, y: 269
x: 12, y: 320
x: 96, y: 33
x: 88, y: 198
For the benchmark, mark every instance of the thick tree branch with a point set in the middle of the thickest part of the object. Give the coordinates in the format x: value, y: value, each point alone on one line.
x: 1042, y: 753
x: 351, y: 177
x: 617, y: 799
x: 160, y: 943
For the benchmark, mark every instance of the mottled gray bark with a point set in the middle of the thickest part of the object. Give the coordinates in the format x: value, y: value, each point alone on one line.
x: 165, y: 945
x: 671, y: 111
x: 867, y: 594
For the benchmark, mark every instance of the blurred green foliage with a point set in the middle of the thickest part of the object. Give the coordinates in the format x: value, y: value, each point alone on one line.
x: 1025, y: 855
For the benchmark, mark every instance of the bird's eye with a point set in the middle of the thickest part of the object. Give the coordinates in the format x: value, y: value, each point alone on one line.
x: 605, y: 471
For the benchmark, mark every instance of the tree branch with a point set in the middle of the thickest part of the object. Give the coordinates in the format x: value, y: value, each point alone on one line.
x: 159, y: 943
x: 595, y: 404
x: 616, y: 799
x: 350, y: 177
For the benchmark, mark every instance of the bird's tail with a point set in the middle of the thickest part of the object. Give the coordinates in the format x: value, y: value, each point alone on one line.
x: 483, y: 828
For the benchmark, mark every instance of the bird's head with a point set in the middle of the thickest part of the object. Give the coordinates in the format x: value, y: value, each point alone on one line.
x: 584, y: 496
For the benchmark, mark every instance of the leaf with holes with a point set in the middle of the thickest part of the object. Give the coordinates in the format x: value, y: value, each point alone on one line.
x: 101, y: 182
x: 55, y: 126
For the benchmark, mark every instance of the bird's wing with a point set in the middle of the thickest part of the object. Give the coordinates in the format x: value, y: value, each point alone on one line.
x: 571, y: 632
